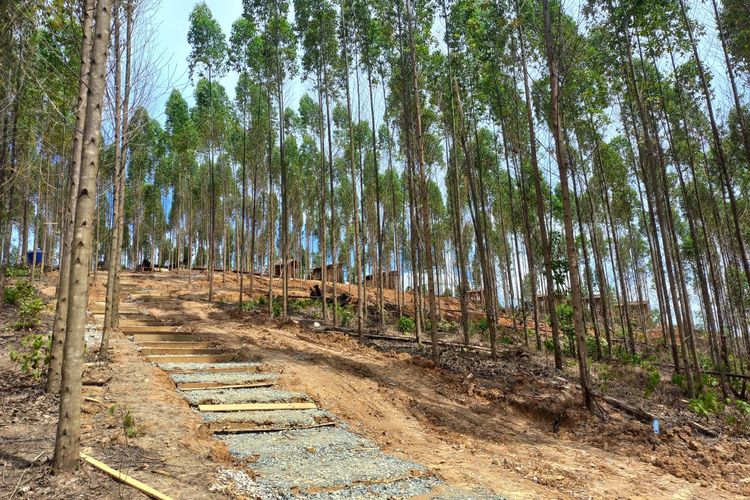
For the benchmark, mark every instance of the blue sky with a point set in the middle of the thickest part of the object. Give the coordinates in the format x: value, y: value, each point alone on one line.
x: 172, y: 24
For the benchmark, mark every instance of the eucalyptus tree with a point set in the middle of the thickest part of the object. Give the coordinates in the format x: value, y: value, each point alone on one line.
x: 315, y: 24
x: 246, y: 47
x: 280, y: 50
x: 369, y: 36
x: 561, y: 154
x: 59, y: 326
x: 181, y: 142
x: 209, y: 52
x: 67, y: 442
x: 346, y: 42
x: 121, y: 107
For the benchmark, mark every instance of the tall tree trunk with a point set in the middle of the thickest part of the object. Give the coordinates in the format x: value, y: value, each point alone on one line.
x: 67, y: 442
x: 61, y: 309
x: 560, y: 150
x: 117, y: 172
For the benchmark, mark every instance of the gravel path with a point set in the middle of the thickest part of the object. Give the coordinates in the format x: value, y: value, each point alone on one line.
x: 255, y: 395
x: 273, y: 418
x: 315, y: 463
x: 250, y: 365
x: 319, y: 458
x: 227, y: 378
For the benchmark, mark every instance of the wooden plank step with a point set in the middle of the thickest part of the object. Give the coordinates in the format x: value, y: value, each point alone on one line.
x: 204, y: 386
x: 228, y: 369
x: 152, y: 351
x: 175, y: 345
x: 258, y: 407
x: 232, y: 427
x: 151, y: 329
x: 192, y: 358
x: 170, y: 337
x: 149, y: 295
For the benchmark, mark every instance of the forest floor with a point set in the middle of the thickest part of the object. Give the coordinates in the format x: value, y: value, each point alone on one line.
x: 512, y: 425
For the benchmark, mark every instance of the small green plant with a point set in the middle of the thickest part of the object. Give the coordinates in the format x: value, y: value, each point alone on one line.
x: 604, y: 375
x: 296, y: 305
x: 707, y: 403
x: 591, y: 346
x: 34, y: 355
x: 127, y: 422
x: 678, y: 379
x: 549, y: 345
x: 406, y: 325
x: 17, y: 272
x: 28, y: 314
x: 742, y: 407
x: 344, y: 315
x: 480, y: 327
x: 654, y: 377
x: 20, y: 291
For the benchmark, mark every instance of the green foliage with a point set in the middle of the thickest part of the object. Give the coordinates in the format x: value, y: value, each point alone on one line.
x: 406, y: 325
x: 678, y: 380
x: 128, y: 424
x: 344, y: 314
x: 28, y: 314
x: 707, y: 403
x: 654, y: 377
x: 742, y: 407
x: 276, y: 308
x: 17, y: 272
x: 549, y: 345
x: 297, y: 305
x: 18, y: 292
x: 34, y: 355
x: 479, y: 327
x: 565, y: 318
x: 622, y: 355
x: 591, y: 346
x: 604, y: 374
x: 127, y: 421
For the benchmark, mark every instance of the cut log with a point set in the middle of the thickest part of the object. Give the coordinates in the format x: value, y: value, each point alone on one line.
x: 257, y: 407
x: 124, y: 478
x: 638, y: 413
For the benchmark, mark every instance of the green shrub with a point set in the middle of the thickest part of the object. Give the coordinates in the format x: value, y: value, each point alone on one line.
x: 18, y: 292
x: 28, y: 314
x: 549, y: 344
x: 344, y: 315
x: 591, y: 346
x: 34, y: 355
x: 17, y: 272
x: 297, y: 305
x: 678, y: 379
x: 406, y: 325
x: 707, y: 403
x: 448, y: 326
x: 480, y: 327
x: 654, y: 377
x: 742, y: 407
